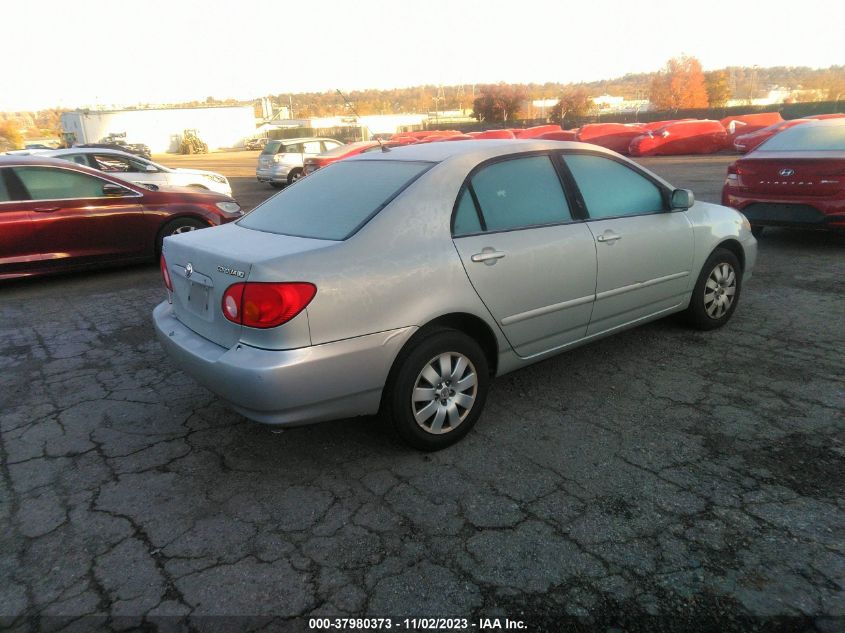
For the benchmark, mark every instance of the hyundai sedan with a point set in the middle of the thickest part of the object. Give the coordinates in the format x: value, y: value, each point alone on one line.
x: 402, y: 282
x: 795, y: 179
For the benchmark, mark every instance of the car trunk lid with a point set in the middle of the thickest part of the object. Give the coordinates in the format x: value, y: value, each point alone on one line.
x: 812, y: 175
x: 203, y: 264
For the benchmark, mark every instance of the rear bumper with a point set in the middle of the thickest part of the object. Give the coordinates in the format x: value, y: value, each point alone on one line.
x: 278, y: 173
x: 784, y: 211
x: 286, y: 387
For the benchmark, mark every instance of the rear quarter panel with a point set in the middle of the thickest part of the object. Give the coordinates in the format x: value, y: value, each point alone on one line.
x: 399, y: 270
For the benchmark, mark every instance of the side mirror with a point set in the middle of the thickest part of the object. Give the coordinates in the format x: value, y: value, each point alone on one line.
x: 682, y: 199
x: 114, y: 190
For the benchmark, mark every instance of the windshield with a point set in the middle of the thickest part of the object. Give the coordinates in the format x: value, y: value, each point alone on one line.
x: 334, y: 202
x: 807, y: 138
x: 271, y: 147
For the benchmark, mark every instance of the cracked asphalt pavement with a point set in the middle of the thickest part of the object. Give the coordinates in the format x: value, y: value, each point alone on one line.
x: 681, y: 476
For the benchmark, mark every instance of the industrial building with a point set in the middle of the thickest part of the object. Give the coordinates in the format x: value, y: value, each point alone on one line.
x: 162, y: 128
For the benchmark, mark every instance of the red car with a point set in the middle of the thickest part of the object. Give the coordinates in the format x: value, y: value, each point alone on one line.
x: 681, y: 137
x: 747, y: 123
x: 746, y: 142
x: 313, y: 163
x: 796, y: 178
x: 56, y: 215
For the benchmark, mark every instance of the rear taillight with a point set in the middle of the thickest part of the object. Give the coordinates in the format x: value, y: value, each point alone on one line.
x: 165, y: 274
x: 266, y: 305
x: 733, y: 174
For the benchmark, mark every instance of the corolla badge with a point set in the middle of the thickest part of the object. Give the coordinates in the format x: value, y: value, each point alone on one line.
x: 231, y: 271
x: 189, y: 270
x: 787, y: 172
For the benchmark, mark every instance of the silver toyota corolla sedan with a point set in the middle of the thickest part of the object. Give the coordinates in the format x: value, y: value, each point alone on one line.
x: 404, y: 281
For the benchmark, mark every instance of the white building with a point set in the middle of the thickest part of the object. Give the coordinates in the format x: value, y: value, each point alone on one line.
x: 162, y: 128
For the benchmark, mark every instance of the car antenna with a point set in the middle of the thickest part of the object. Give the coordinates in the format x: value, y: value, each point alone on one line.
x: 349, y: 105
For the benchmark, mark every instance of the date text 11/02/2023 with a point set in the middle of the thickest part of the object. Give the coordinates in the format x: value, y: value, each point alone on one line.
x: 416, y: 624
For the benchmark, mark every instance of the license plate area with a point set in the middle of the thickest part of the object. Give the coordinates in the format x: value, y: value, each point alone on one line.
x: 199, y: 296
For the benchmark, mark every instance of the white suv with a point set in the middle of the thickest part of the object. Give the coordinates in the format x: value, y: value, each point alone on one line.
x: 281, y: 161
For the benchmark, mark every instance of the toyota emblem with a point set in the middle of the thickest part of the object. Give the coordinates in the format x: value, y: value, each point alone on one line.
x: 189, y: 270
x: 786, y: 173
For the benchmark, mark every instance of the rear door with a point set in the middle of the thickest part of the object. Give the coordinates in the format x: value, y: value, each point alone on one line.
x: 531, y: 261
x: 644, y: 251
x: 18, y: 250
x: 76, y: 219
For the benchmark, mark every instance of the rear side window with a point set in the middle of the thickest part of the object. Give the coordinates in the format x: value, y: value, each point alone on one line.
x: 333, y: 202
x: 520, y: 192
x: 271, y: 147
x: 48, y: 183
x: 4, y: 190
x: 611, y: 189
x: 466, y: 217
x: 291, y: 148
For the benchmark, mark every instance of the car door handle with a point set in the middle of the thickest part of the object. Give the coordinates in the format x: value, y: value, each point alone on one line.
x: 608, y: 237
x: 46, y: 209
x: 488, y: 256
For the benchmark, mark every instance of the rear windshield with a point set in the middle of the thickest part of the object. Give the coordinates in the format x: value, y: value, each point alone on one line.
x: 807, y: 138
x: 334, y: 202
x: 271, y: 147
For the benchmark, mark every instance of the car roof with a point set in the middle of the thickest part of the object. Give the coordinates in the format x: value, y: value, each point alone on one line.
x: 301, y: 139
x: 88, y: 150
x: 480, y: 149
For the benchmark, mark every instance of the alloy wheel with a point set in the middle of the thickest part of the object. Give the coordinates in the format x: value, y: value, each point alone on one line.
x: 444, y: 393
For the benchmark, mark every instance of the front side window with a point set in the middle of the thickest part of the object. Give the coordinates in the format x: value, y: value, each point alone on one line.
x: 519, y: 193
x: 331, y: 145
x: 332, y: 203
x: 48, y: 183
x: 113, y: 164
x: 611, y: 189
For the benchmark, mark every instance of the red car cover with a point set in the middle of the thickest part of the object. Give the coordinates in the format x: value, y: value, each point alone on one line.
x: 560, y: 135
x: 492, y: 134
x: 658, y: 124
x: 746, y: 142
x: 537, y: 131
x: 745, y: 123
x: 613, y: 136
x: 683, y: 137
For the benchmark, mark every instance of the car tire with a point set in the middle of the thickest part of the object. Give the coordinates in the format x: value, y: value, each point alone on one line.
x: 175, y: 227
x: 294, y: 175
x: 757, y: 230
x: 717, y: 290
x: 277, y: 185
x: 428, y: 419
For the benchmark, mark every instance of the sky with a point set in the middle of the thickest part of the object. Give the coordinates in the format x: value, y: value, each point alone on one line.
x: 81, y: 53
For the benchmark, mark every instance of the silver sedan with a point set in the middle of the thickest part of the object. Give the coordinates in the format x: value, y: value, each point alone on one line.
x: 403, y: 281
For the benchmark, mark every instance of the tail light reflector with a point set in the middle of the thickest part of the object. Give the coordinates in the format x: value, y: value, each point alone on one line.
x: 266, y: 305
x: 165, y: 274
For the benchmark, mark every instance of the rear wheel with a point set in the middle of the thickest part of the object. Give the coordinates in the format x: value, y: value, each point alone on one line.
x: 176, y: 227
x: 716, y: 292
x: 437, y: 390
x: 294, y: 175
x: 757, y: 230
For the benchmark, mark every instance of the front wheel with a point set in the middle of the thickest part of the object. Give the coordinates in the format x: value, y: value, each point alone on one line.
x: 437, y: 390
x: 716, y: 293
x: 176, y: 227
x: 277, y: 185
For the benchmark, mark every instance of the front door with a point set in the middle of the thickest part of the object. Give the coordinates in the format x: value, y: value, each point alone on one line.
x: 644, y: 251
x: 80, y: 217
x: 17, y: 235
x: 531, y: 263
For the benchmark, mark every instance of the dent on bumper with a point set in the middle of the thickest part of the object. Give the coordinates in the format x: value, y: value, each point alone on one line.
x: 286, y: 387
